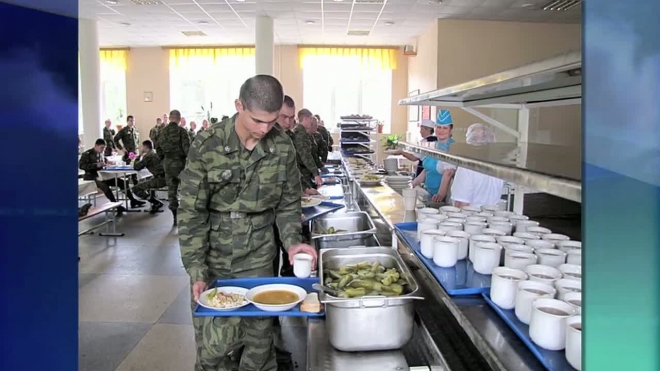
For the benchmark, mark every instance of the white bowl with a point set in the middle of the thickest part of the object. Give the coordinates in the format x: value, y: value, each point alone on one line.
x: 302, y: 294
x: 205, y: 302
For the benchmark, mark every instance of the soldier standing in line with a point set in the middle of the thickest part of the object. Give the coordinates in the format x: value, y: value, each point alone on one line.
x: 241, y: 177
x: 108, y: 136
x: 304, y: 143
x: 325, y: 133
x: 153, y: 133
x: 193, y: 131
x: 149, y: 160
x: 205, y: 126
x: 173, y: 146
x: 321, y: 144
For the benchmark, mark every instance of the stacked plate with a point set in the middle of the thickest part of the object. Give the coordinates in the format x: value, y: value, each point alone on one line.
x: 398, y: 182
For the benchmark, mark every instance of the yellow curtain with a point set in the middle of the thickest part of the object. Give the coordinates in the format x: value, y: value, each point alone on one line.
x: 206, y: 57
x: 114, y: 59
x: 370, y: 58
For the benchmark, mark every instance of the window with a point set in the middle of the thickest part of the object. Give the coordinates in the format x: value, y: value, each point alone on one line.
x: 334, y: 86
x: 205, y: 83
x: 113, y: 86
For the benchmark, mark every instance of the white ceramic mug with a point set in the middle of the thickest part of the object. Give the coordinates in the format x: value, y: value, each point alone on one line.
x: 574, y: 257
x: 445, y: 251
x: 574, y: 342
x: 540, y: 244
x: 464, y: 239
x: 504, y: 213
x: 448, y: 226
x: 490, y: 208
x: 459, y: 215
x: 538, y: 230
x: 449, y: 209
x: 457, y: 220
x: 528, y: 291
x: 302, y: 265
x: 428, y: 210
x: 424, y: 226
x: 497, y: 219
x: 543, y: 273
x: 476, y: 219
x: 575, y: 300
x: 474, y: 228
x: 555, y: 238
x: 522, y: 225
x: 437, y: 217
x: 409, y: 202
x: 470, y: 210
x: 571, y: 271
x: 518, y: 260
x: 547, y: 327
x: 505, y: 227
x: 509, y: 240
x: 486, y: 257
x: 485, y: 214
x: 514, y: 247
x: 551, y: 257
x: 426, y: 242
x: 514, y: 218
x: 564, y: 286
x: 504, y: 286
x: 527, y: 236
x: 474, y: 240
x: 493, y: 232
x: 566, y: 246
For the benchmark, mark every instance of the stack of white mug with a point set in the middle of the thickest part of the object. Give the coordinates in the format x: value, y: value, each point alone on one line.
x: 541, y: 276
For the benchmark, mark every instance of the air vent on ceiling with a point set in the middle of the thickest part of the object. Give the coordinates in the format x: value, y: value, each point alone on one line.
x: 369, y: 1
x: 193, y: 33
x: 357, y: 33
x: 146, y: 2
x: 561, y: 5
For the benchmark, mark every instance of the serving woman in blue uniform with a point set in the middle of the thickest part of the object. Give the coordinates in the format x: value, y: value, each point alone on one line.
x: 437, y: 175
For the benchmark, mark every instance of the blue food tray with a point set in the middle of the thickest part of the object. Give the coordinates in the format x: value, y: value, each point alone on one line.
x: 458, y: 280
x: 550, y: 359
x: 118, y: 168
x: 347, y: 140
x: 252, y: 311
x: 312, y: 213
x: 332, y: 175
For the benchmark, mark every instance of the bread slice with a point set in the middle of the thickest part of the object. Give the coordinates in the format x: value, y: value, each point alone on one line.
x: 311, y: 303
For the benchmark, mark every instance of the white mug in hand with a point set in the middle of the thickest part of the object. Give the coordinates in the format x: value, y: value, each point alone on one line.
x: 302, y: 265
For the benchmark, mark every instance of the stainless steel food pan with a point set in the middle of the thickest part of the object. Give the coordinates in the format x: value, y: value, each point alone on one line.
x: 369, y: 323
x: 358, y: 225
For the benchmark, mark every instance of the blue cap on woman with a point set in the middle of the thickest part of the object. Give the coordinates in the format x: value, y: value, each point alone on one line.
x: 443, y: 118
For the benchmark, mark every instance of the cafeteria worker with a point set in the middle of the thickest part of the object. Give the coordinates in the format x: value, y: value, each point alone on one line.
x: 437, y: 175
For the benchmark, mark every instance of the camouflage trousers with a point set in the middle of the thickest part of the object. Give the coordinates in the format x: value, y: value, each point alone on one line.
x: 173, y: 167
x: 142, y: 188
x: 217, y: 337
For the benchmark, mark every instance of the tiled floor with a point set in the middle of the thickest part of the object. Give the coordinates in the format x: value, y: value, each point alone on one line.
x: 135, y: 301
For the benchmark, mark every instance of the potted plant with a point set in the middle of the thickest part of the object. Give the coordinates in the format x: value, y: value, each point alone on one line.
x: 391, y: 141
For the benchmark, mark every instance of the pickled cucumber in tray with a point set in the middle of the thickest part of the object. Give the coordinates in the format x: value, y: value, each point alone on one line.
x: 364, y: 279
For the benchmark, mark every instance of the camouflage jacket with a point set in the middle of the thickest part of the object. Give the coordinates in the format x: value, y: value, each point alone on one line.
x: 129, y: 138
x: 153, y: 134
x: 230, y: 198
x: 89, y: 164
x: 192, y: 134
x: 321, y: 149
x: 173, y: 142
x: 109, y: 137
x: 326, y: 137
x: 151, y: 162
x: 304, y: 144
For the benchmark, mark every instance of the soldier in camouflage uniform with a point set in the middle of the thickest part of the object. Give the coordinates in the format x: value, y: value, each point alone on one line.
x: 153, y: 133
x: 108, y: 136
x: 325, y: 134
x: 192, y: 131
x: 128, y: 138
x: 173, y: 146
x: 241, y: 177
x: 304, y: 143
x: 149, y: 160
x: 321, y: 144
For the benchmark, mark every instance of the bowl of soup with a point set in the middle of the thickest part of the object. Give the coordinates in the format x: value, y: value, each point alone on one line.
x: 276, y: 297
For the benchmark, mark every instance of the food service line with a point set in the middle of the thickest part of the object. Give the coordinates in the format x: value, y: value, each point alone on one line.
x: 465, y: 330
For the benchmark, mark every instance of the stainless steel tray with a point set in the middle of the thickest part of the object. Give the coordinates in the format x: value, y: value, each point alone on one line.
x: 358, y: 225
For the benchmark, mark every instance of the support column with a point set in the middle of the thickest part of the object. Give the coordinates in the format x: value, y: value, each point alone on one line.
x: 90, y: 81
x: 264, y: 46
x: 523, y: 134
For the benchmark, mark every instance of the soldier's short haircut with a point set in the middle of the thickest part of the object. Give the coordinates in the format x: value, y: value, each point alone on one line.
x: 288, y: 101
x: 129, y: 117
x: 100, y: 142
x: 262, y: 92
x: 175, y: 113
x: 318, y: 117
x: 159, y: 119
x: 148, y: 143
x: 304, y: 113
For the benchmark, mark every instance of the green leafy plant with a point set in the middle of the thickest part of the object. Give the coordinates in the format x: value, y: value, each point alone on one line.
x: 209, y: 111
x: 391, y: 141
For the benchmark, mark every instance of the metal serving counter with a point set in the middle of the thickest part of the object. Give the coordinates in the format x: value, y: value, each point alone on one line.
x: 466, y: 332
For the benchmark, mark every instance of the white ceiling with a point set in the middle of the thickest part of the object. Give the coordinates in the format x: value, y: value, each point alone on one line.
x: 233, y: 21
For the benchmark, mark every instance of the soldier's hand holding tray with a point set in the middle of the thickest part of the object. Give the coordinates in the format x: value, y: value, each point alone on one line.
x: 318, y: 180
x: 197, y: 289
